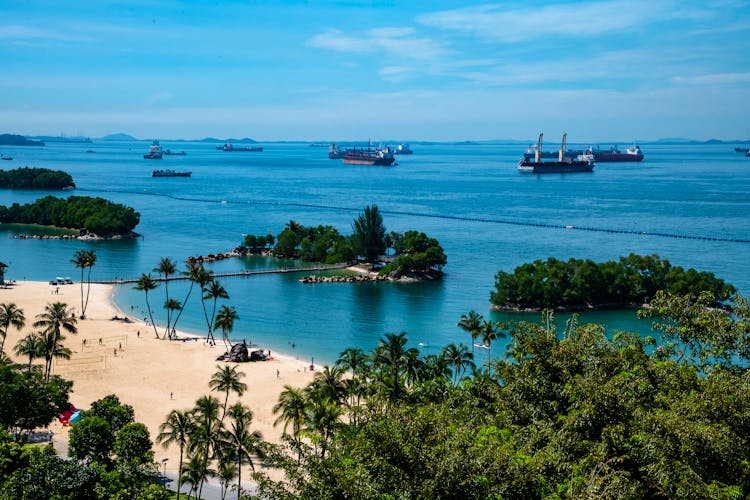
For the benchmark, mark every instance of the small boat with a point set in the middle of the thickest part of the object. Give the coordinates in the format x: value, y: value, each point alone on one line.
x: 633, y: 153
x: 369, y: 156
x: 403, y: 149
x: 334, y: 153
x: 169, y: 173
x: 3, y: 157
x: 174, y: 153
x: 90, y: 151
x: 154, y: 152
x: 563, y: 165
x: 230, y: 147
x: 742, y: 150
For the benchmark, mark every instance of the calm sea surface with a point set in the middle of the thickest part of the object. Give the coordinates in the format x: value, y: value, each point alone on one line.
x: 687, y: 190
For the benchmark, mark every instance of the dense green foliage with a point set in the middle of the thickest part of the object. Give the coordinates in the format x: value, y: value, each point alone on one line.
x: 35, y: 178
x: 415, y: 251
x: 254, y: 243
x: 27, y: 401
x: 634, y: 279
x: 94, y: 215
x: 569, y: 414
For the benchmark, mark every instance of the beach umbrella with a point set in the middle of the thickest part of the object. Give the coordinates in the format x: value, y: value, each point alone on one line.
x: 75, y: 417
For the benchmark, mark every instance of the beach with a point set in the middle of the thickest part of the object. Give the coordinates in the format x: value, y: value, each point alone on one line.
x: 115, y: 356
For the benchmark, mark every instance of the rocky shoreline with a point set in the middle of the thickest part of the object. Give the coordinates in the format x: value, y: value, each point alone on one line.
x: 83, y: 237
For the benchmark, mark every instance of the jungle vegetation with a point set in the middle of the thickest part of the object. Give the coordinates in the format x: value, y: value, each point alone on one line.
x: 35, y: 178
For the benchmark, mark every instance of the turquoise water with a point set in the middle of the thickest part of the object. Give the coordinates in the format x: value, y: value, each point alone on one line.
x: 689, y: 190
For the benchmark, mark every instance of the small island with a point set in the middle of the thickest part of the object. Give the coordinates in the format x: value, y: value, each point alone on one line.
x: 583, y: 284
x: 18, y: 140
x: 93, y: 217
x: 35, y: 178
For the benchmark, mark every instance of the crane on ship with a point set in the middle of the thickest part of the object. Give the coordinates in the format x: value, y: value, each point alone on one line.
x: 538, y: 152
x: 561, y: 157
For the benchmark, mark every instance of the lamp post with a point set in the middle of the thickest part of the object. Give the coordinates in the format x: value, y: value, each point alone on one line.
x: 164, y: 463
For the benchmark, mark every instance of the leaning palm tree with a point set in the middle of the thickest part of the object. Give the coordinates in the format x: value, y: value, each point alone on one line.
x: 472, y: 324
x: 490, y: 333
x: 176, y: 429
x: 145, y: 284
x: 84, y: 259
x: 226, y: 380
x: 31, y: 345
x: 10, y: 315
x: 166, y: 267
x: 291, y: 406
x: 195, y: 273
x: 213, y: 290
x: 225, y: 322
x: 171, y: 305
x: 239, y: 441
x: 52, y: 348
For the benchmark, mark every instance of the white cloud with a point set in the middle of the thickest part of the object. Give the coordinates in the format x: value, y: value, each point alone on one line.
x: 713, y: 79
x: 397, y: 42
x: 514, y: 23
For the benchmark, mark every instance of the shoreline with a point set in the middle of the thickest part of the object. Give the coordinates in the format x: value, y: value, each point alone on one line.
x: 154, y: 376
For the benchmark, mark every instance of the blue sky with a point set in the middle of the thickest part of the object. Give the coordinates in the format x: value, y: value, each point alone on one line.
x: 351, y: 70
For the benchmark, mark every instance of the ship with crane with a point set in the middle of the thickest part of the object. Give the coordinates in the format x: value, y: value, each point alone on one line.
x: 564, y: 164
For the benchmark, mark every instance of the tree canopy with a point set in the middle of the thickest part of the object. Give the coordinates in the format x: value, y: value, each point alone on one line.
x: 89, y: 214
x: 578, y: 284
x: 35, y: 178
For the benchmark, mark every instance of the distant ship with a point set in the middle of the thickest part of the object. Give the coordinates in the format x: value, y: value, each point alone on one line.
x: 564, y: 164
x: 334, y: 153
x: 531, y: 153
x: 230, y: 147
x: 613, y: 154
x: 154, y: 152
x: 403, y: 149
x: 3, y: 157
x: 169, y: 173
x: 169, y: 152
x: 742, y: 150
x: 369, y: 156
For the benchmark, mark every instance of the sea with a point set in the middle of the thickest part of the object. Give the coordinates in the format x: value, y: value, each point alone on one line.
x: 687, y: 203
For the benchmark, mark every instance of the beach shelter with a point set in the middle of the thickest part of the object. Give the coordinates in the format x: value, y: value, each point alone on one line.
x: 75, y: 417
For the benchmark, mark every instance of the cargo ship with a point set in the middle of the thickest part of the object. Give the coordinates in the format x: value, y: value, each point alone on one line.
x: 230, y: 147
x: 154, y: 152
x: 169, y: 173
x: 369, y: 156
x: 633, y: 153
x: 169, y: 152
x: 403, y: 149
x: 564, y: 164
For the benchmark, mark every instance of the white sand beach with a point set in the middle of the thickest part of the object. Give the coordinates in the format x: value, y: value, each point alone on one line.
x: 154, y: 376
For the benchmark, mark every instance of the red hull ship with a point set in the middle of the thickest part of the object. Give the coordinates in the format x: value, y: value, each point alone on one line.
x: 369, y: 156
x: 633, y: 153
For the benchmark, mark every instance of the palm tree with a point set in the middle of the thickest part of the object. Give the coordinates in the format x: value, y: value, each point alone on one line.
x: 195, y: 472
x: 226, y: 472
x: 490, y: 333
x: 195, y: 274
x: 31, y: 346
x: 166, y: 267
x: 176, y: 429
x: 392, y: 355
x: 368, y: 233
x: 204, y: 440
x: 171, y: 305
x: 227, y: 379
x: 225, y: 321
x: 240, y: 441
x: 352, y: 359
x: 460, y: 357
x: 292, y: 404
x: 55, y: 318
x: 84, y: 259
x: 472, y: 325
x: 145, y: 284
x: 329, y: 383
x: 322, y: 419
x: 215, y: 291
x: 10, y: 315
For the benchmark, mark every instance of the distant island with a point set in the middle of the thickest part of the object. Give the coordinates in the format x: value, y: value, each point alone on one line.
x: 18, y: 140
x: 35, y: 178
x: 62, y: 138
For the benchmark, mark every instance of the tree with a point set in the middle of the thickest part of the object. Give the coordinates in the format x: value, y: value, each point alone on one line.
x: 225, y: 322
x: 195, y: 273
x: 171, y: 305
x: 31, y: 345
x: 116, y: 414
x: 205, y: 439
x: 291, y: 409
x: 472, y: 324
x: 84, y: 259
x: 10, y: 315
x: 461, y: 359
x: 90, y: 440
x: 167, y: 267
x: 369, y: 234
x: 392, y: 354
x: 133, y: 445
x: 215, y: 291
x: 177, y: 429
x: 240, y: 441
x: 55, y: 318
x: 226, y: 473
x: 226, y: 380
x: 145, y: 284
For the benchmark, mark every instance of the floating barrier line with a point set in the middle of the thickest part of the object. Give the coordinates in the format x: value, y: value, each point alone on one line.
x: 544, y: 225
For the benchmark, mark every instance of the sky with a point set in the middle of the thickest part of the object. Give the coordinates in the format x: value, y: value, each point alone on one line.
x: 625, y: 70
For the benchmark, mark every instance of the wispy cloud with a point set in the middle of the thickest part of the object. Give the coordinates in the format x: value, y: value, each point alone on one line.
x: 26, y: 33
x: 713, y: 79
x: 397, y: 42
x: 515, y: 23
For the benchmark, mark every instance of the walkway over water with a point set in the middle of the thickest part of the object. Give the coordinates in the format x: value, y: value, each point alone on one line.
x: 231, y: 274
